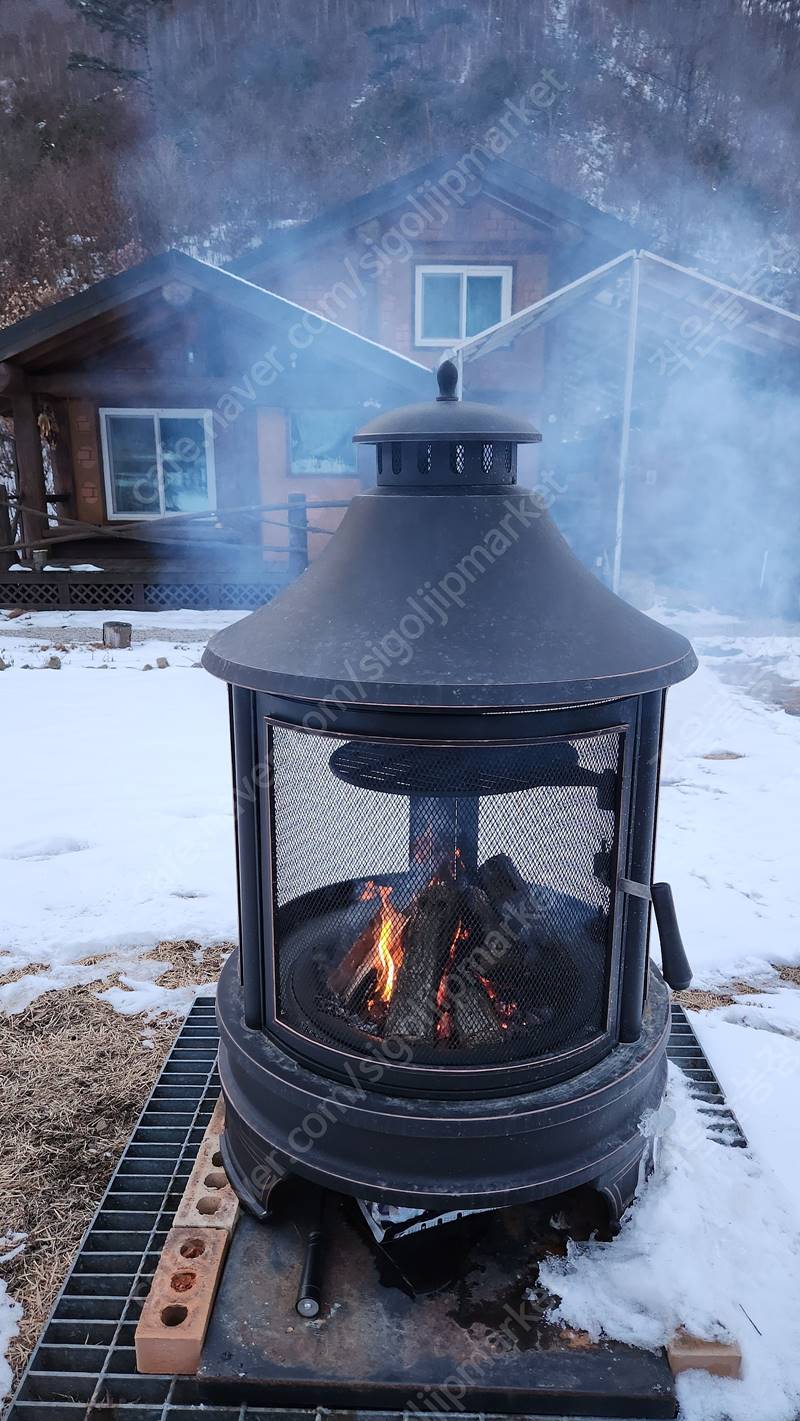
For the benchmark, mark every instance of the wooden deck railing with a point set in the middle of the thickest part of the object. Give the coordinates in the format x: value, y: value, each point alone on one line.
x: 147, y: 583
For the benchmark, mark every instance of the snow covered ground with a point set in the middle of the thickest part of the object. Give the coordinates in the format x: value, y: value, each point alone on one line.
x: 118, y: 833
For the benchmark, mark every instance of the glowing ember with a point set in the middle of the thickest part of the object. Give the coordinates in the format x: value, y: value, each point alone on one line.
x: 506, y: 1011
x: 444, y: 1025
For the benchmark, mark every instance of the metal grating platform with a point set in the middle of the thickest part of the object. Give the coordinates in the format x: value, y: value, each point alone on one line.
x: 685, y: 1051
x: 83, y: 1365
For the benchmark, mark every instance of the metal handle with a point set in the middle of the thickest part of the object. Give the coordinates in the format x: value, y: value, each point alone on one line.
x: 309, y: 1292
x: 674, y: 962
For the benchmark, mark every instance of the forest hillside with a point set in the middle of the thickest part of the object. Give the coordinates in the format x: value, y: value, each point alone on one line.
x: 131, y: 125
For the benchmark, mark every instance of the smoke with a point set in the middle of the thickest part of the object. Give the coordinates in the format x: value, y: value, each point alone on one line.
x: 710, y: 515
x: 679, y: 120
x: 713, y: 511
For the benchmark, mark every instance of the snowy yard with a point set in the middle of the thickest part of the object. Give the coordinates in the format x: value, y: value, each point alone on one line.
x: 118, y: 834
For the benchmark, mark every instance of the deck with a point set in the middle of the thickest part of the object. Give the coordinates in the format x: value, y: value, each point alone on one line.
x: 147, y: 584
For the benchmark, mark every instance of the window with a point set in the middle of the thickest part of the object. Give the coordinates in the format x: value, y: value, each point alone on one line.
x: 157, y: 462
x: 453, y: 302
x: 322, y: 441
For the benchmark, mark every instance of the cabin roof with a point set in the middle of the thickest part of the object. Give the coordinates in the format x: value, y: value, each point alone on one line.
x: 531, y: 197
x: 36, y: 341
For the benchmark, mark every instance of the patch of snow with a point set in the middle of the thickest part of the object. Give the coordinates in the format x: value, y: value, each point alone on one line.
x: 71, y: 567
x: 687, y: 614
x: 21, y: 653
x: 773, y: 655
x: 130, y: 774
x: 727, y: 828
x: 136, y: 996
x: 759, y: 1072
x: 46, y: 848
x: 10, y: 1314
x: 710, y: 1245
x: 11, y: 1245
x: 190, y: 617
x: 776, y: 1009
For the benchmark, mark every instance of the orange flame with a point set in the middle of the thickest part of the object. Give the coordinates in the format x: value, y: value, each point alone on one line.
x: 388, y: 941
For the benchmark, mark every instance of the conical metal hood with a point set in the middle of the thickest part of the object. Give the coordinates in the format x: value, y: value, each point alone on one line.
x: 448, y: 586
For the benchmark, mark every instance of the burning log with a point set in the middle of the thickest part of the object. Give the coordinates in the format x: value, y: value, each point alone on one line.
x: 502, y: 882
x: 554, y: 929
x: 358, y: 997
x: 477, y: 916
x: 356, y: 963
x: 475, y: 1019
x: 526, y: 909
x: 539, y: 916
x: 466, y: 1014
x: 376, y: 954
x: 429, y: 934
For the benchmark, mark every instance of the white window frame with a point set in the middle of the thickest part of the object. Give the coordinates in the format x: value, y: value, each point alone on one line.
x: 463, y: 270
x: 155, y: 416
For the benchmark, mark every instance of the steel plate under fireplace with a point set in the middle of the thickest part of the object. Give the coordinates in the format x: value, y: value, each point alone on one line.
x: 446, y: 740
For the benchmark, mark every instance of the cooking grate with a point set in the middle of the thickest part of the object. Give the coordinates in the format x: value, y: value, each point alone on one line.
x: 84, y: 1364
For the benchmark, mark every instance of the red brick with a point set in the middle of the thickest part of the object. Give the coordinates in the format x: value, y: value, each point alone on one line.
x: 177, y: 1310
x: 688, y: 1353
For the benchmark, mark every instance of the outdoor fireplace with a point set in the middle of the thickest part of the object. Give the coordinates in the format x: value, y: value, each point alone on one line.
x: 446, y: 740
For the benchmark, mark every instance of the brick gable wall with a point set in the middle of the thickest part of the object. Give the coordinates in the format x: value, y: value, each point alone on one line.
x: 365, y: 279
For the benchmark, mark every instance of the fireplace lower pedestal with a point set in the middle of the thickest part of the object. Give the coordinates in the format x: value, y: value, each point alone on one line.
x: 450, y: 1323
x: 284, y: 1118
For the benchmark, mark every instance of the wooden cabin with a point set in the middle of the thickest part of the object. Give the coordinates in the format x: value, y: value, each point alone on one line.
x: 183, y: 438
x: 183, y: 433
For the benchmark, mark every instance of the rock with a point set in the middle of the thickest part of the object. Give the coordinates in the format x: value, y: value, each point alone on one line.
x: 161, y: 662
x: 147, y: 666
x: 53, y: 663
x: 4, y: 665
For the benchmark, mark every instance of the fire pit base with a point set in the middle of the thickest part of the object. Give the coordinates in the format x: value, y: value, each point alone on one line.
x: 390, y: 1336
x: 284, y: 1118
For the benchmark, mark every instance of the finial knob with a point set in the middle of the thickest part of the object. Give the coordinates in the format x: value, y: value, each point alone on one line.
x: 447, y: 375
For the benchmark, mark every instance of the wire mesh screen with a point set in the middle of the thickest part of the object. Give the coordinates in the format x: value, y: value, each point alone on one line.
x: 456, y: 898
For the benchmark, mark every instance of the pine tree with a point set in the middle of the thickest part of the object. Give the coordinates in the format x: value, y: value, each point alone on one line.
x: 126, y: 21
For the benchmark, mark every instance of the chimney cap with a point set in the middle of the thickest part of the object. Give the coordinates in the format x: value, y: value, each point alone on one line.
x: 447, y: 419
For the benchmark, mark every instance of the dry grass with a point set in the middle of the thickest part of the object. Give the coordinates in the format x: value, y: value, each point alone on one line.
x: 695, y: 999
x: 190, y: 963
x: 699, y: 999
x: 74, y: 1075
